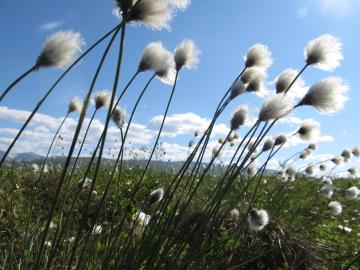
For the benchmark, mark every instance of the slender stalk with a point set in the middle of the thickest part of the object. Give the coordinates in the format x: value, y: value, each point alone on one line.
x: 115, y: 86
x: 102, y: 200
x: 157, y: 138
x: 37, y: 107
x: 16, y: 81
x: 41, y: 172
x: 73, y: 144
x: 294, y: 80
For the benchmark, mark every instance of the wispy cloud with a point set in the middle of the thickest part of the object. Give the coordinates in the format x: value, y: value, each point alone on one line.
x: 48, y: 26
x: 338, y: 8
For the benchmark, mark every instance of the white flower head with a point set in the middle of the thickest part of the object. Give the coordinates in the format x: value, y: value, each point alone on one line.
x: 251, y: 170
x: 328, y: 95
x: 238, y: 117
x: 352, y: 171
x: 322, y: 167
x: 237, y: 89
x: 52, y: 225
x: 191, y: 143
x: 139, y: 221
x: 286, y: 78
x: 324, y: 52
x: 118, y: 117
x: 335, y: 208
x: 352, y: 193
x: 326, y: 181
x: 75, y: 105
x: 235, y: 215
x: 34, y: 167
x: 356, y: 151
x: 307, y: 152
x: 280, y: 139
x: 268, y: 144
x: 186, y: 55
x: 275, y: 107
x: 310, y: 170
x: 258, y: 219
x: 258, y: 56
x: 327, y: 191
x: 158, y: 59
x: 102, y: 99
x: 156, y: 14
x: 312, y: 146
x: 291, y: 170
x: 346, y: 154
x: 97, y: 229
x: 156, y: 196
x: 87, y: 183
x: 337, y: 160
x: 309, y: 130
x: 253, y: 78
x: 216, y: 152
x: 60, y: 50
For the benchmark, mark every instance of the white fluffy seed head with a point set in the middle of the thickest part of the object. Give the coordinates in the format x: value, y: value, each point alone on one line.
x: 305, y: 153
x: 102, y: 99
x: 216, y: 153
x: 337, y: 160
x: 324, y: 52
x: 84, y: 183
x: 290, y: 171
x: 356, y: 151
x: 237, y: 89
x: 118, y: 117
x: 280, y: 139
x: 346, y: 154
x: 251, y: 170
x: 284, y: 80
x: 275, y: 107
x: 322, y: 167
x: 352, y: 171
x: 238, y: 117
x: 335, y: 208
x: 155, y: 14
x: 352, y: 193
x: 253, y: 78
x: 158, y: 59
x: 235, y: 215
x: 327, y: 191
x: 139, y: 221
x: 310, y: 170
x: 258, y: 219
x: 186, y: 55
x: 34, y: 167
x: 312, y: 146
x: 156, y: 195
x: 191, y: 143
x: 328, y: 95
x: 60, y: 50
x: 75, y: 105
x: 258, y: 56
x: 268, y: 144
x: 309, y: 130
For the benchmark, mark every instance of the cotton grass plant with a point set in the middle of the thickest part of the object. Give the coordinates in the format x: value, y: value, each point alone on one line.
x: 146, y: 229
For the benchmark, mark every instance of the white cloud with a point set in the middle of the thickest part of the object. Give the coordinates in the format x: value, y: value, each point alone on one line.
x: 337, y: 8
x: 49, y: 26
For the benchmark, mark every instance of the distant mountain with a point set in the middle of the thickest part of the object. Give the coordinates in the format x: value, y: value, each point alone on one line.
x: 27, y: 156
x: 156, y: 165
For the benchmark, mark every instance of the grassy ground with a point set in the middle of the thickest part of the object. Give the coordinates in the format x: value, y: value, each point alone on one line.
x: 302, y: 234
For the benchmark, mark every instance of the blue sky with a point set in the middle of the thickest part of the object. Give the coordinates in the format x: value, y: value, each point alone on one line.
x: 223, y: 33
